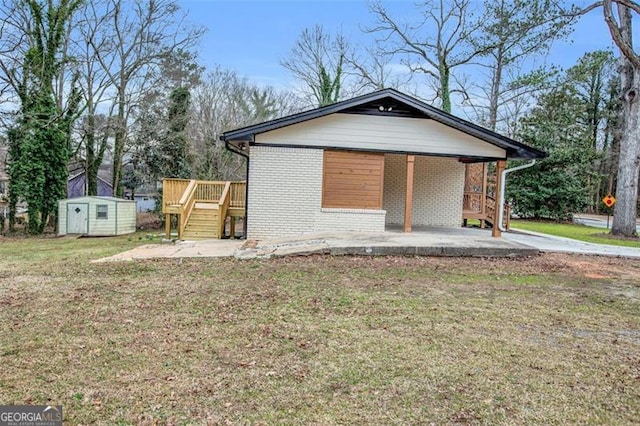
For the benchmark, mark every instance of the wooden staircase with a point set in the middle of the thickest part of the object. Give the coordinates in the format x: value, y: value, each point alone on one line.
x: 202, y: 207
x: 202, y: 223
x: 479, y: 201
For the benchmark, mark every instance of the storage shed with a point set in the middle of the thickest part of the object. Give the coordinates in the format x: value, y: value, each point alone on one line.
x: 96, y: 216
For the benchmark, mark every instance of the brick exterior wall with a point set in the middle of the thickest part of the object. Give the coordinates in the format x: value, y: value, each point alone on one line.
x: 285, y: 191
x: 285, y: 196
x: 437, y: 194
x: 395, y: 187
x: 364, y: 220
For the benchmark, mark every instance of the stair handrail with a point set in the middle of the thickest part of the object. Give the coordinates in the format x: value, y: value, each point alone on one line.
x: 491, y: 208
x: 187, y: 201
x: 223, y: 206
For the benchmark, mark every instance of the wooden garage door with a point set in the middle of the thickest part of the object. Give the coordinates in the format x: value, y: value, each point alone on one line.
x: 352, y: 180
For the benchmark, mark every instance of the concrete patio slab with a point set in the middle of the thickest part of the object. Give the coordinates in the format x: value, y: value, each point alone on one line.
x: 179, y: 249
x: 464, y: 242
x: 460, y: 242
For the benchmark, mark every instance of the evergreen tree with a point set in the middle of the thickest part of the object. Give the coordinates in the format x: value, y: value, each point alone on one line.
x: 175, y: 158
x: 558, y: 185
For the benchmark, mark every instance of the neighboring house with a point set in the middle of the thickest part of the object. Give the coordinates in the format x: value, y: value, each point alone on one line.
x: 77, y: 184
x: 145, y: 202
x: 380, y: 160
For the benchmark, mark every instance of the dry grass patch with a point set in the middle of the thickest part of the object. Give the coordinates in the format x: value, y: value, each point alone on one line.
x: 324, y: 340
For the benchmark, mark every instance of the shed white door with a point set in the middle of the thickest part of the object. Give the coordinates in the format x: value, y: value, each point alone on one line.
x: 77, y: 218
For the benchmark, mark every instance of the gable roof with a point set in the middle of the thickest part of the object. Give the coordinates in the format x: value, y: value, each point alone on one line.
x: 389, y: 102
x: 102, y: 176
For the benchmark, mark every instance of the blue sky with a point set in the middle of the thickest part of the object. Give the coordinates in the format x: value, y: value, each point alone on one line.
x: 252, y: 36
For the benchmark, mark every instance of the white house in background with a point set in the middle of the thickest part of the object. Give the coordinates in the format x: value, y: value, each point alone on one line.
x: 379, y: 160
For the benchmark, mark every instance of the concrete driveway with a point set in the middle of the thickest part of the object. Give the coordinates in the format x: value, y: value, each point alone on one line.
x: 552, y: 244
x: 596, y: 221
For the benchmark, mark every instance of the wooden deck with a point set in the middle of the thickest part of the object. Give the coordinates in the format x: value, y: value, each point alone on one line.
x: 202, y: 208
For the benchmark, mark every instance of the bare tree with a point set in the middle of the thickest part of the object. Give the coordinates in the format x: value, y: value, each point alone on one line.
x: 96, y: 128
x: 370, y: 69
x: 317, y: 60
x: 222, y: 102
x: 514, y: 31
x: 138, y: 36
x: 15, y: 30
x: 443, y: 40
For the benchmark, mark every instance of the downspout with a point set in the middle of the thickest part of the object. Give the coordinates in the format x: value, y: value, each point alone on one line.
x: 229, y: 147
x: 502, y: 191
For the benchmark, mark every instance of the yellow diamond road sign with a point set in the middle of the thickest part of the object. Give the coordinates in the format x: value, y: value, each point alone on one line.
x: 609, y: 200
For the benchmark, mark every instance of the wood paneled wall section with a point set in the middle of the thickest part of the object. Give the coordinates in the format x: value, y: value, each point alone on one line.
x: 352, y: 180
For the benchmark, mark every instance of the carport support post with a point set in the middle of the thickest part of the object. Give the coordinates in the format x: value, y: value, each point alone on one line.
x: 495, y: 232
x: 408, y: 200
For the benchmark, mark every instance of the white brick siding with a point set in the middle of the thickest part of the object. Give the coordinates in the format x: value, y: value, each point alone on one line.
x: 285, y: 194
x: 437, y: 190
x: 350, y: 220
x: 285, y: 191
x: 395, y: 186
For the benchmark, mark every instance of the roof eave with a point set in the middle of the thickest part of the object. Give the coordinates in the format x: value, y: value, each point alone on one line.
x: 514, y: 149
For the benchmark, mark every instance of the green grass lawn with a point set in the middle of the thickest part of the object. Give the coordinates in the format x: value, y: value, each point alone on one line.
x: 577, y: 232
x: 552, y: 339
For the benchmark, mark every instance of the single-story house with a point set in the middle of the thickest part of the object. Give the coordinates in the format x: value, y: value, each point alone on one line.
x: 77, y: 184
x: 375, y: 161
x: 96, y: 216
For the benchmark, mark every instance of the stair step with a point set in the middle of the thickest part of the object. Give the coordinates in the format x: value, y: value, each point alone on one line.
x: 202, y: 220
x: 207, y: 213
x: 199, y: 236
x: 201, y: 229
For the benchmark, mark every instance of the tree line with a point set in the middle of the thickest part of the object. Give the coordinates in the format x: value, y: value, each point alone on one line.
x: 119, y: 82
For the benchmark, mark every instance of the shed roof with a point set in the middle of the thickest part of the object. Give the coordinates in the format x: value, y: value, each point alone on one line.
x: 389, y: 102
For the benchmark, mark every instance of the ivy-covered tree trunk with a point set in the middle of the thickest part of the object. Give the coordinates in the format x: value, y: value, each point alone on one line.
x: 39, y: 142
x: 445, y: 80
x: 175, y: 145
x: 118, y: 145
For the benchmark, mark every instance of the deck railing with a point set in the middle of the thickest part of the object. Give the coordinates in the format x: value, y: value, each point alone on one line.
x: 474, y: 208
x: 472, y: 202
x: 209, y: 191
x: 238, y: 194
x: 187, y: 202
x: 180, y: 196
x: 223, y: 206
x: 172, y: 191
